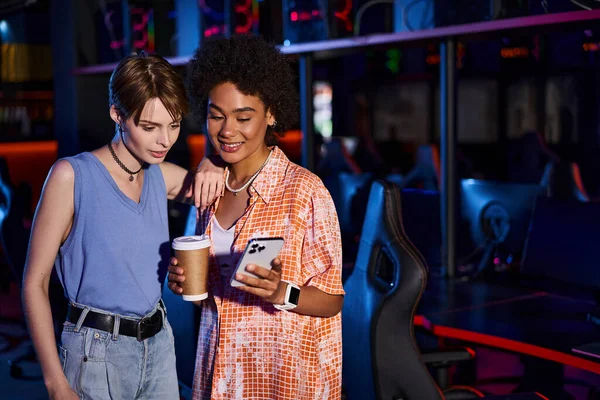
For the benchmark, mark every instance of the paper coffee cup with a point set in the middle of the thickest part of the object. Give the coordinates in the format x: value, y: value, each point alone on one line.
x: 192, y: 255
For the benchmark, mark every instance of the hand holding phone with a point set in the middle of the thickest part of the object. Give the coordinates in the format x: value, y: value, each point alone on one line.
x: 259, y: 251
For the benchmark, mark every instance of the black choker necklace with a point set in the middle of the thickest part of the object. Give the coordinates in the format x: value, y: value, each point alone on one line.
x: 120, y: 164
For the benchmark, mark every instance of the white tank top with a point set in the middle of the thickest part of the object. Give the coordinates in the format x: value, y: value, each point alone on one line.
x: 222, y: 240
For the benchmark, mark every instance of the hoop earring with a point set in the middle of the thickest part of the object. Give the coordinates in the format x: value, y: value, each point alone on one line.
x: 274, y: 125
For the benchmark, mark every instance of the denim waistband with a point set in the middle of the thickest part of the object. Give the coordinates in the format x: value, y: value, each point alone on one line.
x: 159, y: 307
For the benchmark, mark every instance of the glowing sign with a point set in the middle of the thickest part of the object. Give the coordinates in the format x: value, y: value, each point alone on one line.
x: 215, y: 19
x: 514, y: 52
x: 301, y: 16
x: 434, y: 59
x: 393, y: 60
x: 246, y: 16
x: 142, y: 23
x: 344, y: 15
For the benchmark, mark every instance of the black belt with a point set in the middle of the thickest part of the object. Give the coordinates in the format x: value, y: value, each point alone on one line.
x: 141, y: 329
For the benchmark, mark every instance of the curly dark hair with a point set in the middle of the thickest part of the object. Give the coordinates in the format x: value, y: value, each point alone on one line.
x: 256, y: 67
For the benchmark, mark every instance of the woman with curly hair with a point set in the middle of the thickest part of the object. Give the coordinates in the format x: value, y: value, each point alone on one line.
x: 279, y: 336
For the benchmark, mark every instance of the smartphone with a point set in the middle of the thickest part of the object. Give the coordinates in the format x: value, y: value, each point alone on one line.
x: 259, y: 251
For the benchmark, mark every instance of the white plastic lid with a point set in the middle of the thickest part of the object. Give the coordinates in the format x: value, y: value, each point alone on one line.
x: 191, y: 242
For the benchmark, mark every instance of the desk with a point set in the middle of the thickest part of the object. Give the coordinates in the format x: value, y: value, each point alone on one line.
x: 513, y: 318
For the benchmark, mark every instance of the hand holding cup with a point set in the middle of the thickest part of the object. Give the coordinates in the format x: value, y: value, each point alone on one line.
x: 188, y: 273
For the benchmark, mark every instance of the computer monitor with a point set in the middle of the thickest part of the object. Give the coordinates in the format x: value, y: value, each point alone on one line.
x: 561, y: 253
x: 497, y: 216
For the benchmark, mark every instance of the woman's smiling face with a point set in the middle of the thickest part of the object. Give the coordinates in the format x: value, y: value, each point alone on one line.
x: 236, y: 123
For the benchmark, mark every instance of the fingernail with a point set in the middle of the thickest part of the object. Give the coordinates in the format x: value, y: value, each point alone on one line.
x: 238, y: 276
x: 250, y: 268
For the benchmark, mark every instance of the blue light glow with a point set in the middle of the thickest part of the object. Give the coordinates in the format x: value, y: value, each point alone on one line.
x: 5, y: 31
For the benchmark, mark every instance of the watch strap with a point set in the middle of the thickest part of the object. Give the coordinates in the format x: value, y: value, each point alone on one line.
x: 290, y: 301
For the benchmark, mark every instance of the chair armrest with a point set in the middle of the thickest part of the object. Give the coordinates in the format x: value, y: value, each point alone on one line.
x: 446, y: 358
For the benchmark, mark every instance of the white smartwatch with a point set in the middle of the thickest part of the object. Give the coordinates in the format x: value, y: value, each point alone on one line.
x: 292, y: 294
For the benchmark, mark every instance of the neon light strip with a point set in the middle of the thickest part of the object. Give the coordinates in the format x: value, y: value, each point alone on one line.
x: 518, y: 347
x: 506, y: 344
x: 344, y: 15
x: 330, y: 48
x: 246, y: 10
x: 151, y: 32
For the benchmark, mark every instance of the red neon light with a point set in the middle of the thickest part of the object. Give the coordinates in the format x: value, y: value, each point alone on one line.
x: 142, y: 25
x: 471, y: 351
x: 422, y: 321
x: 144, y: 21
x: 578, y: 181
x: 344, y: 15
x: 246, y: 10
x: 302, y: 16
x: 434, y: 59
x: 117, y: 44
x: 140, y: 28
x: 518, y: 347
x: 214, y: 30
x: 244, y: 28
x: 240, y: 8
x: 591, y: 46
x: 514, y: 52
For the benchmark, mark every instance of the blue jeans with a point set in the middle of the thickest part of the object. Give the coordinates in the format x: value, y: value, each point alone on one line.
x: 100, y: 365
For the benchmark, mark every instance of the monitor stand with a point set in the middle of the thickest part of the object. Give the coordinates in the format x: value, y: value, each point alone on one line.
x: 493, y: 263
x: 486, y: 260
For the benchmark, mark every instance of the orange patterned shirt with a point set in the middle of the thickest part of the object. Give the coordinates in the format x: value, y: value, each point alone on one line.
x: 247, y: 349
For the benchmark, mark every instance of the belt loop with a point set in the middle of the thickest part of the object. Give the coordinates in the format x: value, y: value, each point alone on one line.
x: 116, y: 326
x: 163, y: 316
x: 84, y: 314
x: 163, y: 311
